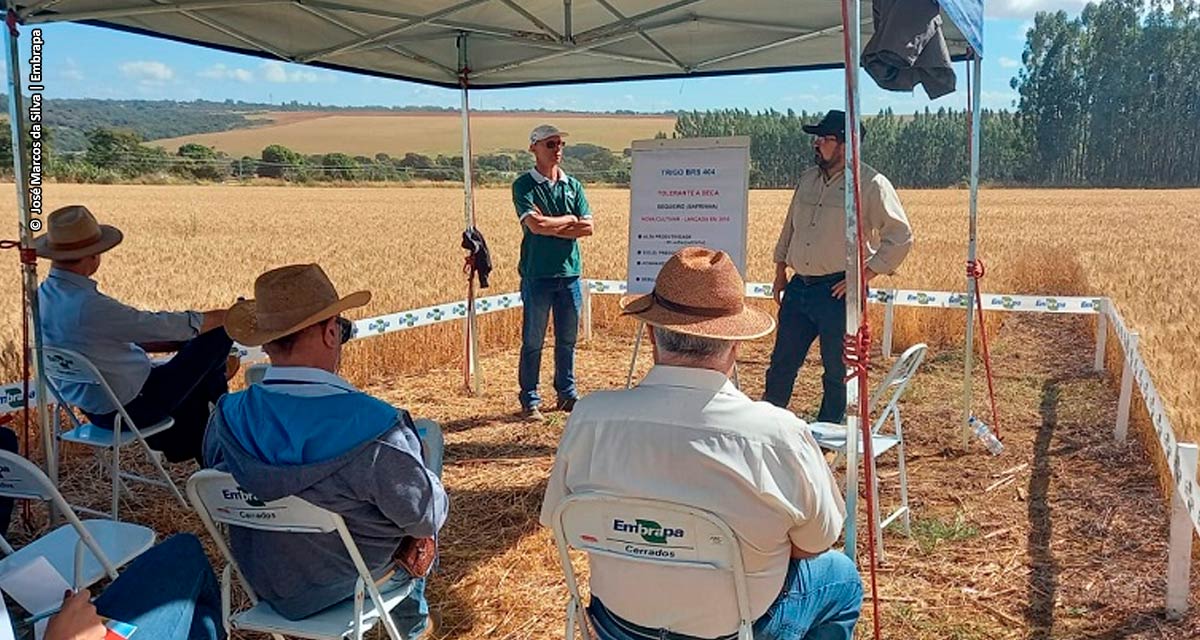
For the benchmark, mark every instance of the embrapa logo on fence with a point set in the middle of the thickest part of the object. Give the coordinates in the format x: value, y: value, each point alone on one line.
x: 649, y: 530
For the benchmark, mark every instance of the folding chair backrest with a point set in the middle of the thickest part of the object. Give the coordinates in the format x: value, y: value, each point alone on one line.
x: 893, y: 386
x: 255, y: 372
x: 64, y: 365
x: 649, y: 531
x: 217, y: 498
x: 227, y: 503
x: 20, y: 478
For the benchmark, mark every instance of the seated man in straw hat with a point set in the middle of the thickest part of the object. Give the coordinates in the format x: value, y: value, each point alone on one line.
x: 115, y: 337
x: 304, y: 431
x: 686, y: 434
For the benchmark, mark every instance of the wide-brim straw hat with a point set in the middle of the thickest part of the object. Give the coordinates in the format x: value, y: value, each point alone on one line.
x: 287, y: 300
x: 72, y: 233
x: 699, y: 292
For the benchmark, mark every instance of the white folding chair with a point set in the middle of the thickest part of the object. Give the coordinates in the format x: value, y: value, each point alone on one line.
x: 833, y: 437
x: 218, y: 499
x: 85, y: 551
x: 64, y: 365
x: 255, y: 373
x: 585, y: 521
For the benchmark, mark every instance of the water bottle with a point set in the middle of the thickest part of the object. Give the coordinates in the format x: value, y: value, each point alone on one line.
x: 985, y: 436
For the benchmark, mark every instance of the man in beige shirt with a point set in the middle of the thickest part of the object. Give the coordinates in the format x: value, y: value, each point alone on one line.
x: 687, y: 435
x: 813, y: 245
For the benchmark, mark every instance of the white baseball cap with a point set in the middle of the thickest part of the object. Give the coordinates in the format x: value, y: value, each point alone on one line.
x: 544, y: 131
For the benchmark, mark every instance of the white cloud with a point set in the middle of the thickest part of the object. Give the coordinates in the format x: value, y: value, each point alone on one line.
x: 1008, y: 63
x: 69, y: 71
x: 277, y: 73
x: 147, y: 71
x: 1027, y: 8
x: 222, y: 72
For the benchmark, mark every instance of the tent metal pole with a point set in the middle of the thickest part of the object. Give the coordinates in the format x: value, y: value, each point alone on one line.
x: 17, y: 118
x: 472, y: 377
x: 972, y: 234
x: 852, y: 296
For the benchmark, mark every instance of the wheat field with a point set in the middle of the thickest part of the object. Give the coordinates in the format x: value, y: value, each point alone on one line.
x: 202, y: 246
x: 426, y: 133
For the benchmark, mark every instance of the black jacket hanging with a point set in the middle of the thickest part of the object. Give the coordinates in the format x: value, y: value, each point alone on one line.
x: 480, y: 260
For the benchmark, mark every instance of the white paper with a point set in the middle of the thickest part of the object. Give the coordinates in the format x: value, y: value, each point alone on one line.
x: 39, y: 628
x: 37, y: 586
x: 686, y: 193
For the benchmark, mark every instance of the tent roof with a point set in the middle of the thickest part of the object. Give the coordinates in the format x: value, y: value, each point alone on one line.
x: 509, y: 42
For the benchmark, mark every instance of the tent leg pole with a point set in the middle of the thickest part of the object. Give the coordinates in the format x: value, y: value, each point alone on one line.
x: 17, y: 118
x: 972, y: 249
x: 472, y: 376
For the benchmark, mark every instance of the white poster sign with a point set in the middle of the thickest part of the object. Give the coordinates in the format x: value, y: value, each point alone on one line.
x: 685, y: 192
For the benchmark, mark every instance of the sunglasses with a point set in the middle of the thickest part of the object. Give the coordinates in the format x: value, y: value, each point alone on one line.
x: 347, y: 329
x: 554, y: 144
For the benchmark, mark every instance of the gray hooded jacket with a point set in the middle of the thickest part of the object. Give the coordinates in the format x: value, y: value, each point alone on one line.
x: 345, y: 452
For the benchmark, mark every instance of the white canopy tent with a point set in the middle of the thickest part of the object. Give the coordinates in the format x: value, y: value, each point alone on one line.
x: 486, y: 44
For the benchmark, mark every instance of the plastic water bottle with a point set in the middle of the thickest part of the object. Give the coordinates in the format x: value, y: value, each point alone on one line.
x: 985, y: 436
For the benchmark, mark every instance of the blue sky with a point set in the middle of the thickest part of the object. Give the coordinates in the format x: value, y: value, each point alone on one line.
x: 90, y: 62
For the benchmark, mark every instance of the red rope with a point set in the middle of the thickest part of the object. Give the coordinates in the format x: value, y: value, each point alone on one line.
x: 975, y: 270
x: 861, y: 340
x: 12, y: 20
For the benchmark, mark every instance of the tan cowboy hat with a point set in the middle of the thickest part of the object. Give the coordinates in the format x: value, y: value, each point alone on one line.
x: 287, y: 300
x: 73, y: 233
x: 699, y: 292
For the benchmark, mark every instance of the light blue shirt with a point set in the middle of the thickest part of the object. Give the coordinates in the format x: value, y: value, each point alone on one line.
x: 76, y: 316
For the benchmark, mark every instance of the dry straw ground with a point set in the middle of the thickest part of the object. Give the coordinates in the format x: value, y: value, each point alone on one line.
x: 427, y: 133
x: 1070, y: 545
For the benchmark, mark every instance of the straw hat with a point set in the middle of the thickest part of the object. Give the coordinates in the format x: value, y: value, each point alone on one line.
x: 287, y: 300
x: 72, y: 233
x: 699, y: 292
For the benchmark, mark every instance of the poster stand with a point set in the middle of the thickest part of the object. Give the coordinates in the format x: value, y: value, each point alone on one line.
x: 685, y: 192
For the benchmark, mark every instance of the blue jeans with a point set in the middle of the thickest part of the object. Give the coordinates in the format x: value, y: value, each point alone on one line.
x: 412, y: 614
x: 169, y: 592
x: 540, y: 296
x: 820, y: 600
x: 809, y: 311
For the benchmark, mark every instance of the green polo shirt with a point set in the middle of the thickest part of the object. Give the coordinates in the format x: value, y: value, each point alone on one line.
x: 547, y: 256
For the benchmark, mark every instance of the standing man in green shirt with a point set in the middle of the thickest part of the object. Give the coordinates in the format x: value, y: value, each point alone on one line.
x: 554, y: 214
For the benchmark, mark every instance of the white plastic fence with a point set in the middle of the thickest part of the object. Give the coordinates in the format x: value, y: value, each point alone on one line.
x: 1180, y: 457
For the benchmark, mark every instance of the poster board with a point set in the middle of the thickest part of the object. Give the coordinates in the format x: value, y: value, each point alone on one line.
x: 684, y: 192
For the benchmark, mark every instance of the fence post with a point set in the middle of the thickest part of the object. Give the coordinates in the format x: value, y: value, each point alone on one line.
x: 1179, y: 554
x: 586, y: 316
x: 1122, y: 428
x: 1101, y: 334
x: 889, y: 315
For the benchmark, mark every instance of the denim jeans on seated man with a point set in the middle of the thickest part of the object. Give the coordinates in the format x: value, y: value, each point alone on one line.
x: 540, y: 297
x: 169, y: 592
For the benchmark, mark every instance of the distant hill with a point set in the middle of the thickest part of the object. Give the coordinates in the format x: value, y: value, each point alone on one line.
x: 366, y: 133
x: 172, y: 123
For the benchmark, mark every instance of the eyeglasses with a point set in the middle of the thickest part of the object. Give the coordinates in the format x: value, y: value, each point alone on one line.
x: 828, y: 138
x: 554, y: 144
x: 347, y: 329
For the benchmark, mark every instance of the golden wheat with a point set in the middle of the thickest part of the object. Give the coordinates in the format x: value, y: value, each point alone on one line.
x: 202, y: 246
